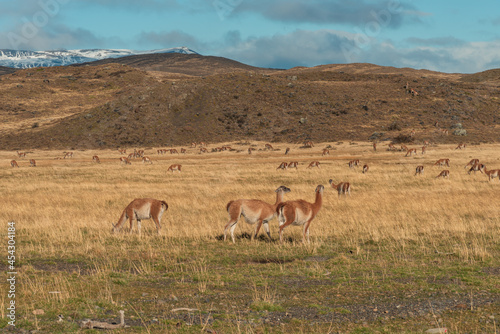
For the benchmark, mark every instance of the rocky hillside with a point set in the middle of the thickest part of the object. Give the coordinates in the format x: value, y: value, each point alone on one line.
x: 211, y: 99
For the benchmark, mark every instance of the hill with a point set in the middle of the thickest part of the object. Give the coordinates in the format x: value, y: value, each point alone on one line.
x: 6, y: 70
x: 34, y: 59
x: 192, y: 64
x: 178, y: 99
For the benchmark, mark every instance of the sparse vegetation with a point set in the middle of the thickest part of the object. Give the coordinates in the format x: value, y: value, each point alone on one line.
x: 111, y: 105
x: 401, y: 255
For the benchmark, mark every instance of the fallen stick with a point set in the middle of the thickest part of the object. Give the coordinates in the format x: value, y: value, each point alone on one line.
x: 87, y: 323
x: 184, y: 309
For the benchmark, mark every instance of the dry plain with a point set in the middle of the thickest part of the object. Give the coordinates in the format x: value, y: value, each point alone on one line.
x: 402, y: 254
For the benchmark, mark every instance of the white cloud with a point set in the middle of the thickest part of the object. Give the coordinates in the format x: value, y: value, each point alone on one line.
x: 310, y: 48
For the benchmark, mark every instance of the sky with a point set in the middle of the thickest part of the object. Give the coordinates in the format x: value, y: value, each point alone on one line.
x: 448, y: 36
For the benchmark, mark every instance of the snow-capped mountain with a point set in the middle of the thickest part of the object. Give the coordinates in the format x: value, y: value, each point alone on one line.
x: 28, y: 59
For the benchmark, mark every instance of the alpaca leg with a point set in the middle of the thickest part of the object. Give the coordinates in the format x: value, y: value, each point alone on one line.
x: 257, y: 229
x: 230, y: 225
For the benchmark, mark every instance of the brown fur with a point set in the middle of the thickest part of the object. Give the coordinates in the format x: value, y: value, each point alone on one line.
x: 125, y: 160
x: 411, y: 151
x: 444, y: 173
x: 341, y: 187
x: 443, y: 162
x: 477, y: 167
x: 492, y: 173
x: 472, y: 163
x: 419, y: 170
x: 313, y: 164
x: 13, y: 163
x: 283, y: 165
x: 254, y: 211
x: 353, y: 163
x: 299, y: 212
x: 142, y: 208
x: 173, y: 167
x: 32, y: 163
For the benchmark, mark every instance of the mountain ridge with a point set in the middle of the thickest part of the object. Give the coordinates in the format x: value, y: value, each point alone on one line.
x: 31, y: 59
x: 200, y: 98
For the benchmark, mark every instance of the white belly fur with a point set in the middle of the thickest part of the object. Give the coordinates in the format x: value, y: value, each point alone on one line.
x: 301, y: 218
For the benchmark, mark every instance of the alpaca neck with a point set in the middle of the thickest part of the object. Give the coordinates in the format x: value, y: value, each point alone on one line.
x: 279, y: 198
x: 318, y: 202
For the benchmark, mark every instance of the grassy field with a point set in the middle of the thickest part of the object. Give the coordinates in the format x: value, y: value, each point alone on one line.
x: 402, y: 254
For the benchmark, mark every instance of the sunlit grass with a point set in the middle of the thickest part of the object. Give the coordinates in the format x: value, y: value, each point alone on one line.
x: 64, y: 209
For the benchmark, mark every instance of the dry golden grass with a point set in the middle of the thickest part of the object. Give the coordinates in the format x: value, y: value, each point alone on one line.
x: 59, y: 198
x: 63, y: 210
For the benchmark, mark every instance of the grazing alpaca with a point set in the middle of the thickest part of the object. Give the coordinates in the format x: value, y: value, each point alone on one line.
x: 283, y: 166
x: 353, y: 163
x: 341, y: 187
x: 254, y: 211
x: 313, y: 164
x: 13, y: 163
x: 299, y: 212
x: 443, y: 174
x: 174, y: 167
x: 142, y: 208
x: 124, y: 160
x: 477, y: 167
x: 472, y: 163
x: 419, y: 170
x: 443, y: 162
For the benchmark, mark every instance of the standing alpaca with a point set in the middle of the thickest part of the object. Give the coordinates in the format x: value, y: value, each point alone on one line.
x: 341, y: 187
x: 254, y: 211
x: 299, y: 212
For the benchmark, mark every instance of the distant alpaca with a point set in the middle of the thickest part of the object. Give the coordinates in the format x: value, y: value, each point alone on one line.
x: 443, y: 174
x: 283, y: 166
x: 174, y: 167
x: 341, y: 187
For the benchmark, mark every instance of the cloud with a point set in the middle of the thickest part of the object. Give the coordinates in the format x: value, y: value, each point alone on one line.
x: 394, y: 13
x: 143, y: 5
x: 52, y: 36
x: 311, y: 48
x: 300, y: 48
x: 438, y: 41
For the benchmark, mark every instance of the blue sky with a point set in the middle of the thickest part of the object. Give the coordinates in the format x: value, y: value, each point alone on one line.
x: 459, y: 36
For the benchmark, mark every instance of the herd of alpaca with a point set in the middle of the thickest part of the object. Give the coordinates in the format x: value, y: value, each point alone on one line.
x: 258, y: 212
